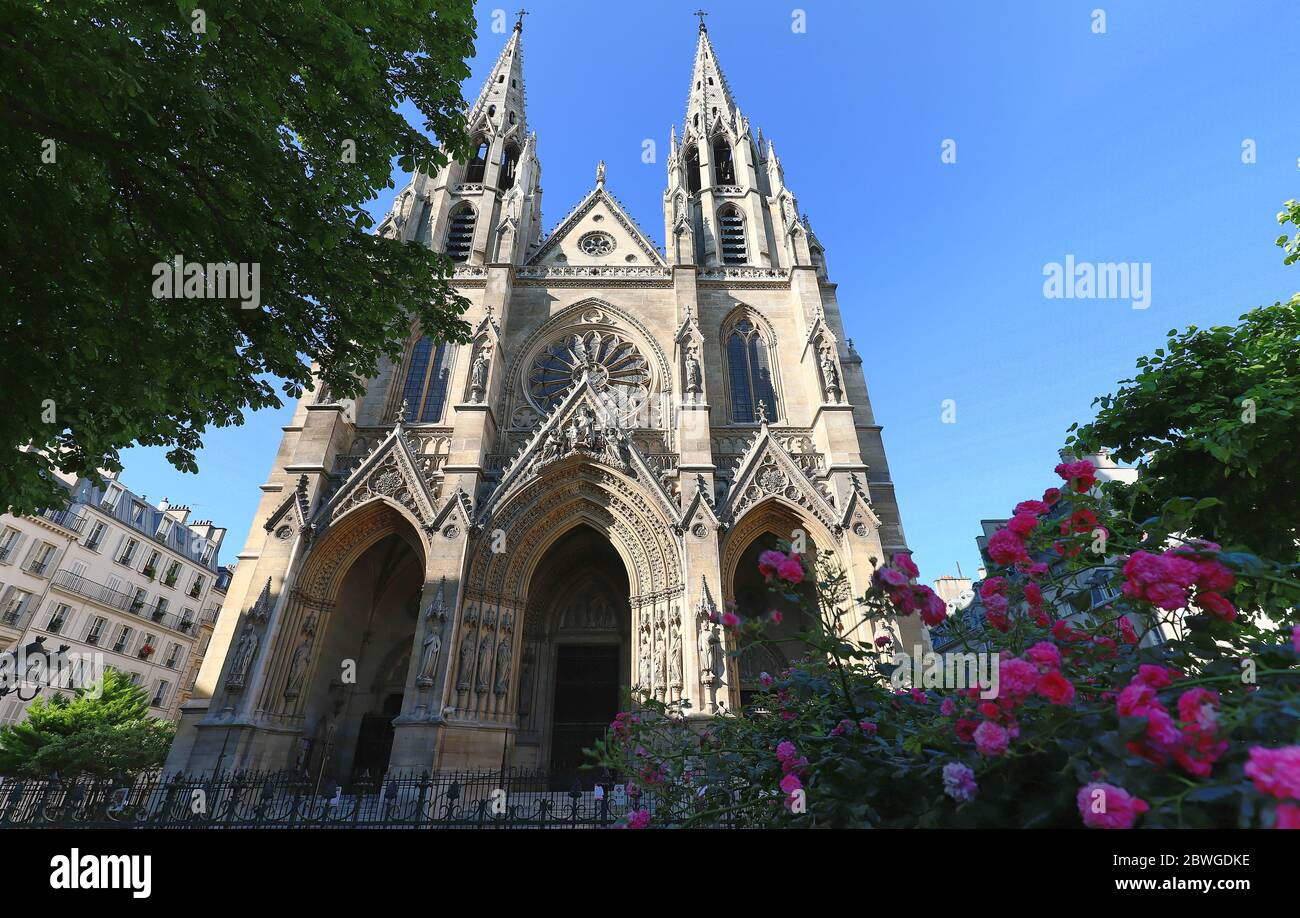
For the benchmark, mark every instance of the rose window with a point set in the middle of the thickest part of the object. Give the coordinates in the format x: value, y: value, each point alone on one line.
x: 596, y: 243
x: 612, y: 364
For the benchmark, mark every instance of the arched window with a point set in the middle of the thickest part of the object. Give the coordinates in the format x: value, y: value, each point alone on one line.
x: 731, y: 230
x: 427, y: 372
x: 692, y: 170
x: 749, y: 373
x: 509, y: 161
x: 460, y: 232
x: 478, y: 162
x: 723, y: 167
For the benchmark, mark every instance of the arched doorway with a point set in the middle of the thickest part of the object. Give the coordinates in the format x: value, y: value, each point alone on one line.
x: 576, y: 650
x: 760, y: 530
x: 357, y: 688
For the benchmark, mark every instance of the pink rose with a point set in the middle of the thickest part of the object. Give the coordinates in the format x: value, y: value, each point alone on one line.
x: 638, y: 820
x: 991, y: 739
x: 1056, y: 688
x: 1034, y: 507
x: 904, y: 563
x: 730, y: 620
x: 1105, y: 806
x: 769, y: 562
x: 790, y: 570
x: 1005, y: 547
x: 1216, y: 605
x: 1045, y: 654
x: 1275, y: 771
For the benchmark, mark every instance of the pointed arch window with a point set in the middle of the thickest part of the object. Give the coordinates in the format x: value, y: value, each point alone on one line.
x: 723, y: 166
x: 478, y: 162
x: 428, y: 371
x: 460, y: 232
x: 750, y: 359
x: 731, y: 232
x: 692, y: 170
x: 509, y: 163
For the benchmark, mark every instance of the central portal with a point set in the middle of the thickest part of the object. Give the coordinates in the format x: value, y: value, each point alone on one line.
x: 576, y: 653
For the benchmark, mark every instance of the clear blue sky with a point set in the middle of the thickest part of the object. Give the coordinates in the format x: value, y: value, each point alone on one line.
x: 1125, y: 146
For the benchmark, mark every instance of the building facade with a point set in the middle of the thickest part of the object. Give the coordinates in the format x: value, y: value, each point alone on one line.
x: 466, y: 565
x: 112, y: 575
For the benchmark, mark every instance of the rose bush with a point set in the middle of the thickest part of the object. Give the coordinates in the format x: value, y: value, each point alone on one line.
x: 1094, y: 722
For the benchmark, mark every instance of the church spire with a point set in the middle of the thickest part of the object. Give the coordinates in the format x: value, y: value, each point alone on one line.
x: 710, y: 97
x: 500, y: 104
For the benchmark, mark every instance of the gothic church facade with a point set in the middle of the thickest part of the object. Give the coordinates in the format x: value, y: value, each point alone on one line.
x: 467, y: 565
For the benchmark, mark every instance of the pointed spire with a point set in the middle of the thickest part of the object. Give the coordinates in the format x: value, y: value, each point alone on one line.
x: 503, y: 91
x: 710, y: 95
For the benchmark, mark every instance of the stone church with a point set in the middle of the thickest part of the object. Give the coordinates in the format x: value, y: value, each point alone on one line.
x: 472, y: 563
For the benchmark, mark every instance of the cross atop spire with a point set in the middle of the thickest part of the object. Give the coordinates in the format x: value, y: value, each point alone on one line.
x: 701, y: 14
x: 710, y: 96
x: 502, y: 95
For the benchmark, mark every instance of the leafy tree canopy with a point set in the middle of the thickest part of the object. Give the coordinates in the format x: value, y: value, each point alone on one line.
x: 1215, y: 413
x: 136, y: 131
x: 111, y: 734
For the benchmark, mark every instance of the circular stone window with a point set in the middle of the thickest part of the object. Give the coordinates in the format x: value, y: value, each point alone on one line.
x: 596, y: 243
x: 613, y: 365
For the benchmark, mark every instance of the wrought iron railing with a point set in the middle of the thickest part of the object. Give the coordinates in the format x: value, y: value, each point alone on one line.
x: 451, y: 800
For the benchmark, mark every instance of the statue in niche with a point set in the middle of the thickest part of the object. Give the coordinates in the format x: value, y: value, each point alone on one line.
x: 244, y: 652
x: 694, y: 375
x: 479, y: 376
x: 643, y: 662
x: 675, y: 665
x: 503, y: 667
x: 298, y: 666
x: 466, y: 660
x: 484, y: 663
x: 830, y: 374
x: 429, y: 654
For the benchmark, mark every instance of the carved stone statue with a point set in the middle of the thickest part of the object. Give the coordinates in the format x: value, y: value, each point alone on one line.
x: 244, y: 652
x: 479, y: 376
x: 675, y: 664
x: 484, y: 671
x: 643, y: 662
x: 429, y: 655
x: 466, y: 671
x: 503, y: 667
x: 526, y: 669
x: 586, y: 421
x: 694, y: 377
x: 298, y: 666
x: 830, y: 374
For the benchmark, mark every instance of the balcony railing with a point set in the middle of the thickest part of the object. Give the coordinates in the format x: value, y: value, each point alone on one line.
x: 38, y: 568
x: 15, y: 613
x: 65, y: 518
x: 105, y: 596
x: 124, y: 602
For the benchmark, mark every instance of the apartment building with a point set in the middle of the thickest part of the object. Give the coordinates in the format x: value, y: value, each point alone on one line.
x: 112, y: 573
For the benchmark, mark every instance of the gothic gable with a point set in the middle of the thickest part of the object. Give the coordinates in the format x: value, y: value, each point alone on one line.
x: 580, y: 427
x: 768, y: 471
x: 597, y: 232
x: 390, y: 472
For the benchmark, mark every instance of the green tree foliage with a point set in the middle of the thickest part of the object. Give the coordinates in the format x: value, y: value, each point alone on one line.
x: 111, y: 734
x: 1214, y: 414
x: 135, y: 131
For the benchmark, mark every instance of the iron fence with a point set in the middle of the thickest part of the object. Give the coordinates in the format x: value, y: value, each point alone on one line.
x: 265, y: 800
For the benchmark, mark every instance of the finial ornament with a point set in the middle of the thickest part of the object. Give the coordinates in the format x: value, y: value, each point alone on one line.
x: 402, y: 409
x: 600, y: 173
x: 519, y: 23
x: 701, y: 14
x: 762, y: 412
